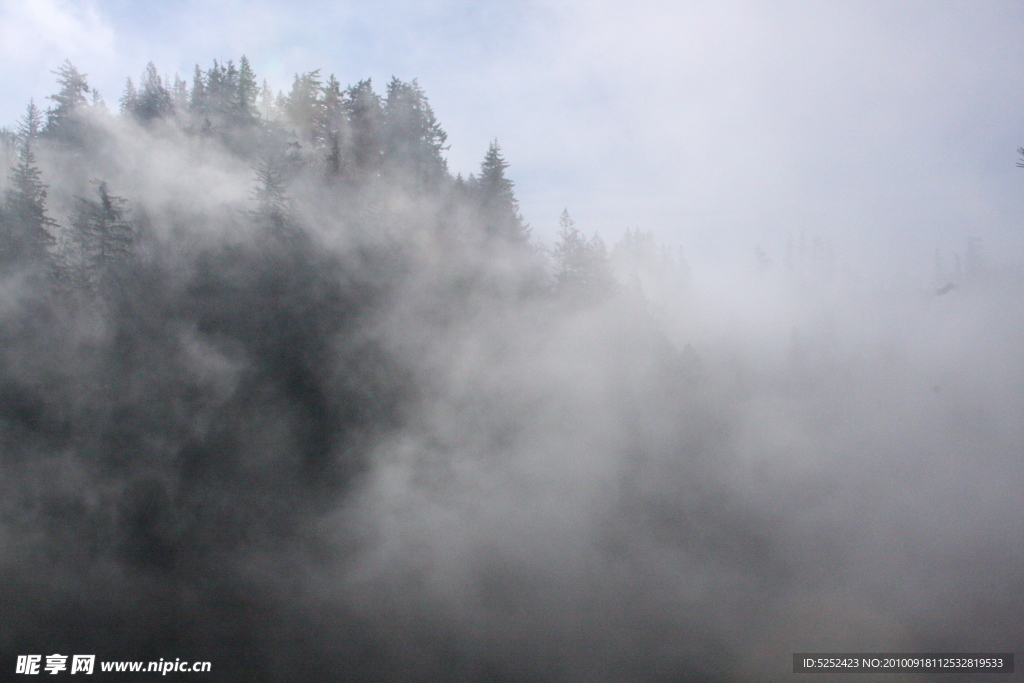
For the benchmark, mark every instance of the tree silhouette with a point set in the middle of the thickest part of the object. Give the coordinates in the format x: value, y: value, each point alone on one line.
x: 105, y: 237
x: 499, y: 209
x: 30, y: 124
x: 61, y: 119
x: 247, y: 92
x: 273, y: 208
x: 581, y: 264
x: 366, y: 119
x: 413, y: 138
x: 26, y: 232
x: 152, y: 101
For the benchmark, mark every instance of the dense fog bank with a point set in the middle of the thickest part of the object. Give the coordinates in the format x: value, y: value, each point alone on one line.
x: 280, y: 393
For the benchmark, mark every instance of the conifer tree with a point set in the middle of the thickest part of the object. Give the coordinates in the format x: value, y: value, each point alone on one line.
x: 581, y: 264
x: 8, y: 146
x: 221, y: 97
x: 267, y: 108
x: 366, y: 119
x: 26, y: 234
x: 129, y: 98
x: 304, y: 106
x: 498, y: 206
x: 153, y: 101
x: 197, y: 97
x: 105, y: 237
x: 229, y: 104
x: 413, y: 139
x: 179, y: 95
x: 333, y: 125
x: 61, y: 119
x: 273, y: 208
x: 30, y: 125
x: 637, y: 251
x: 247, y: 92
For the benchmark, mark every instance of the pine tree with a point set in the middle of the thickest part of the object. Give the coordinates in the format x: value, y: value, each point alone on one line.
x: 581, y: 264
x: 413, y: 139
x: 366, y: 119
x: 8, y: 146
x: 61, y: 118
x: 153, y: 100
x: 30, y: 124
x: 26, y: 235
x: 247, y: 93
x: 333, y: 126
x: 570, y: 250
x: 229, y: 100
x: 638, y: 253
x: 105, y: 237
x: 268, y: 110
x: 333, y: 95
x: 498, y: 206
x: 281, y: 105
x: 304, y: 106
x: 129, y: 99
x: 273, y: 208
x: 197, y: 97
x: 333, y: 119
x: 179, y: 95
x: 221, y: 103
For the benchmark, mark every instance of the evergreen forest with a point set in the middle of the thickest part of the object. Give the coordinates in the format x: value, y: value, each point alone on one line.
x: 280, y: 392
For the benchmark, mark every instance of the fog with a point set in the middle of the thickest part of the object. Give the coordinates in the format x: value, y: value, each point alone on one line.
x: 331, y: 413
x: 890, y: 130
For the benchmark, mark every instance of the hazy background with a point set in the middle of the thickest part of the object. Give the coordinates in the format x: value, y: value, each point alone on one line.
x: 888, y: 128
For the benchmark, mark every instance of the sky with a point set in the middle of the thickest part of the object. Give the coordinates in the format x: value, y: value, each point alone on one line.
x: 889, y: 129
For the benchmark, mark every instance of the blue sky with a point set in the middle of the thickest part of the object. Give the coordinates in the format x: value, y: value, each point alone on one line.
x: 890, y: 128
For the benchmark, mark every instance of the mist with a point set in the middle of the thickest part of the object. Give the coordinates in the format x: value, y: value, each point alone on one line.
x: 282, y: 393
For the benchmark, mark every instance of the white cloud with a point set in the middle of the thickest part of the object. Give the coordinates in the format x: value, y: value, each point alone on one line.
x: 36, y: 36
x: 34, y: 31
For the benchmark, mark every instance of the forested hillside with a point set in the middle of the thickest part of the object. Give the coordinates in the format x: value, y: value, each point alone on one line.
x: 280, y: 392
